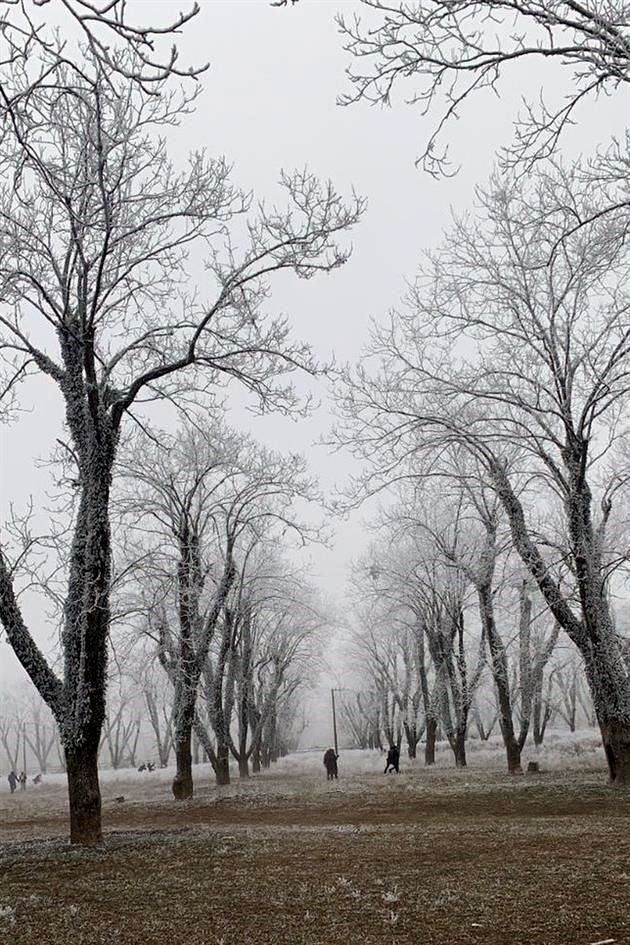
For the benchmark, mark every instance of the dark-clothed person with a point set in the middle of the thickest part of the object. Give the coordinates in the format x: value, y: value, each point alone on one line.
x: 330, y: 762
x: 393, y: 760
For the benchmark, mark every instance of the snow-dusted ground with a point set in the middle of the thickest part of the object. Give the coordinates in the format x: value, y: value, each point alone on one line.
x: 561, y: 751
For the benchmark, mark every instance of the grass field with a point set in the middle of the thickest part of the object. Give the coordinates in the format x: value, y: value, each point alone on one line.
x: 431, y: 856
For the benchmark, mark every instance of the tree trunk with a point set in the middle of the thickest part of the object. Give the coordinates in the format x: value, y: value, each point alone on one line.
x: 431, y: 737
x: 460, y: 749
x: 84, y: 794
x: 222, y: 770
x: 501, y: 680
x: 256, y: 761
x: 608, y: 682
x: 183, y: 781
x: 243, y: 767
x: 616, y: 739
x: 513, y: 752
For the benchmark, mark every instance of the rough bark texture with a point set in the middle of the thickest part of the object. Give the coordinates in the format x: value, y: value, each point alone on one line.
x: 84, y: 793
x: 459, y: 749
x: 593, y: 633
x: 183, y: 781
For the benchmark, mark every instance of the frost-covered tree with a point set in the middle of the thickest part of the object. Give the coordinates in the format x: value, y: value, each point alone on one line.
x: 522, y: 361
x: 96, y: 230
x: 273, y: 654
x: 444, y: 53
x: 204, y: 502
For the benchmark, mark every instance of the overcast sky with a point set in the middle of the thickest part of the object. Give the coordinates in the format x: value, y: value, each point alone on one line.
x: 269, y: 102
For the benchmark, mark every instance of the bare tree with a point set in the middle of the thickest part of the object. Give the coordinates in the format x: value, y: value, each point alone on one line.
x: 445, y: 52
x: 158, y: 702
x: 204, y: 501
x: 11, y: 731
x: 273, y: 652
x: 523, y: 363
x: 40, y: 732
x: 121, y: 726
x: 95, y: 230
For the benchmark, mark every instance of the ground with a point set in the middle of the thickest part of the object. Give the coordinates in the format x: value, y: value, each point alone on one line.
x: 429, y: 856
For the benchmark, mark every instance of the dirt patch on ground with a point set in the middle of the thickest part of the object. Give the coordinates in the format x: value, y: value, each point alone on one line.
x: 440, y: 857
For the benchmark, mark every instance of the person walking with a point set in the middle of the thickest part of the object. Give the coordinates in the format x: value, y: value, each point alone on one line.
x: 393, y: 760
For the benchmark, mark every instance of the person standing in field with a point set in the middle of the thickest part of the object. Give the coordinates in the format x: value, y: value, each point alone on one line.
x: 330, y: 762
x: 12, y: 779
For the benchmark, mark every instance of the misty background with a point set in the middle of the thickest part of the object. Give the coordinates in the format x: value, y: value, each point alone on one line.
x: 269, y: 102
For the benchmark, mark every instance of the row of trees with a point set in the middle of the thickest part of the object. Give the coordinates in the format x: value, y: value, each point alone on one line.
x: 431, y: 667
x: 502, y: 380
x: 100, y: 240
x: 510, y: 354
x: 214, y: 632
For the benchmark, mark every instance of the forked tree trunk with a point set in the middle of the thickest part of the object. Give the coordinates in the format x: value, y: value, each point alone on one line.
x: 84, y: 793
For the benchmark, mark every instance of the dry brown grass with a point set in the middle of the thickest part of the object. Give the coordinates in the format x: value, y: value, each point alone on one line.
x: 430, y: 857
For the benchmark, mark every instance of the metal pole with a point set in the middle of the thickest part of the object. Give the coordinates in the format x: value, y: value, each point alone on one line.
x: 332, y: 694
x: 24, y: 747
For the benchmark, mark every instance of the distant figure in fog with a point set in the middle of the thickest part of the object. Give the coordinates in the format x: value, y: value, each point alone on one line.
x: 12, y: 779
x: 22, y: 780
x: 393, y: 759
x: 37, y: 779
x: 330, y: 761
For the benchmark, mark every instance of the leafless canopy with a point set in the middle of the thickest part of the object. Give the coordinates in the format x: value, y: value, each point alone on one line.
x: 446, y: 50
x: 105, y: 28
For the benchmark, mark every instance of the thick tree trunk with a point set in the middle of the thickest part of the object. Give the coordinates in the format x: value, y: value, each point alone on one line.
x: 243, y: 767
x: 610, y: 689
x: 256, y: 761
x: 84, y: 794
x: 182, y: 786
x: 616, y: 739
x: 431, y: 738
x: 459, y: 749
x: 513, y: 752
x: 222, y: 770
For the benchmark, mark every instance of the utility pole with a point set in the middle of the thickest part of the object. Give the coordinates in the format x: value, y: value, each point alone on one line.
x: 334, y: 717
x: 24, y: 752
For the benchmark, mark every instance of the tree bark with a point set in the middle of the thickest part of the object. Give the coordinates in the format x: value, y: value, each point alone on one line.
x: 84, y: 793
x: 222, y: 770
x: 243, y: 767
x: 608, y: 682
x: 459, y: 749
x: 183, y: 787
x: 431, y: 738
x: 183, y: 781
x: 501, y: 681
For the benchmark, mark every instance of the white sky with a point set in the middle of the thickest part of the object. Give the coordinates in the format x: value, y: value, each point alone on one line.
x: 269, y: 103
